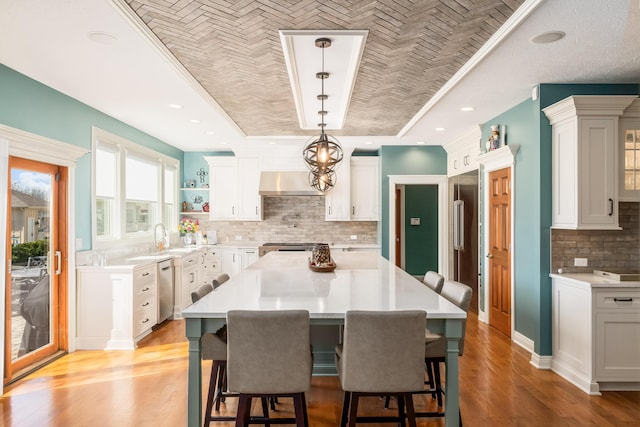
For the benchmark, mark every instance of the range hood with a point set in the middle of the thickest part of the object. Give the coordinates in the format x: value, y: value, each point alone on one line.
x: 286, y: 183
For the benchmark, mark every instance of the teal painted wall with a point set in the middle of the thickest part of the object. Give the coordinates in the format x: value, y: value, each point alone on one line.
x: 404, y: 160
x: 528, y: 126
x: 33, y: 107
x: 421, y: 254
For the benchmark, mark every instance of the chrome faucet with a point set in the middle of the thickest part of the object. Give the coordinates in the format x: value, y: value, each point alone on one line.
x: 162, y: 241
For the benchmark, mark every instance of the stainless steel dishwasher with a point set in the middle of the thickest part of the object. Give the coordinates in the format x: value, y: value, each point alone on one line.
x: 165, y: 290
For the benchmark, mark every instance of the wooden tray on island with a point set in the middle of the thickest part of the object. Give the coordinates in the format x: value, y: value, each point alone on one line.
x: 323, y: 268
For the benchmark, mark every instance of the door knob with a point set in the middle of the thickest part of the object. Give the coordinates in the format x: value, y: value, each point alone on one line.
x: 489, y: 256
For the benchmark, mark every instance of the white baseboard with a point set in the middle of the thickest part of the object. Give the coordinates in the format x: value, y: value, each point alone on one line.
x: 482, y: 316
x: 523, y: 341
x: 541, y: 362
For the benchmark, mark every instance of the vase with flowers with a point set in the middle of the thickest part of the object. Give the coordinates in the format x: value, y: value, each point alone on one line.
x: 188, y: 226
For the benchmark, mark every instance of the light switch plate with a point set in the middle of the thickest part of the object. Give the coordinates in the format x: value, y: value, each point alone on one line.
x: 415, y: 221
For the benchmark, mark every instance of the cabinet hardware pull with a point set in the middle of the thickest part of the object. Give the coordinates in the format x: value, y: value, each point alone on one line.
x: 165, y: 268
x: 145, y: 289
x: 623, y: 299
x: 233, y: 210
x: 145, y: 304
x: 145, y: 321
x: 256, y: 210
x: 455, y: 164
x: 329, y: 210
x: 610, y: 207
x: 145, y: 274
x: 353, y: 210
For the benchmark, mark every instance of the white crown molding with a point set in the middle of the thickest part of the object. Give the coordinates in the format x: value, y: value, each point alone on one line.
x: 471, y: 136
x: 500, y: 158
x: 36, y: 147
x: 580, y: 105
x: 503, y: 32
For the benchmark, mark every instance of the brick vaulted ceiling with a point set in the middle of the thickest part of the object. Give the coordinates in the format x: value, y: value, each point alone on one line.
x: 233, y: 49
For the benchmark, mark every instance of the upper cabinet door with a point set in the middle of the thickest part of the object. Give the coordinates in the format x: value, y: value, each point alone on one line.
x: 365, y: 189
x: 585, y: 161
x: 223, y: 188
x: 249, y: 200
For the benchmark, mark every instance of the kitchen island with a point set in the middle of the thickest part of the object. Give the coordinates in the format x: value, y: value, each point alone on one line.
x: 283, y: 281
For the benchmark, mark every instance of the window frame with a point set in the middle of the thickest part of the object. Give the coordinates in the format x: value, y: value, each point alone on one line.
x: 123, y: 148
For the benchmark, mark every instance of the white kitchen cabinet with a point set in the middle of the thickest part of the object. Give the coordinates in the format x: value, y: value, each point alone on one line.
x: 235, y: 259
x: 595, y: 335
x: 337, y: 201
x: 187, y: 272
x: 629, y: 154
x: 463, y: 152
x: 365, y: 189
x: 211, y: 264
x: 249, y: 199
x: 116, y: 307
x: 234, y: 185
x: 584, y: 161
x: 617, y: 335
x: 248, y: 257
x: 356, y: 196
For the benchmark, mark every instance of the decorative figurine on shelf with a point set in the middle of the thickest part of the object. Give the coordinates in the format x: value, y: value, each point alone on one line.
x: 493, y: 140
x: 185, y: 206
x: 205, y: 207
x: 202, y: 173
x: 192, y: 183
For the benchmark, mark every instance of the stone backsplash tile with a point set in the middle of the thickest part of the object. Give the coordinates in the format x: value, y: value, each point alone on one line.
x: 294, y: 219
x: 605, y: 249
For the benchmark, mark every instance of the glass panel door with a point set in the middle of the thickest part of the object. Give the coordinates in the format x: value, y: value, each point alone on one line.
x: 31, y: 324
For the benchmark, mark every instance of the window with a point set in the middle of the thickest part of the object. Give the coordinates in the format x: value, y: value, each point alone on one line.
x: 105, y: 189
x: 134, y: 188
x: 632, y: 159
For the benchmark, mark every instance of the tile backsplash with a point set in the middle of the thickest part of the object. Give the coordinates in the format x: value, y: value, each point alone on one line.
x: 605, y: 249
x: 294, y: 219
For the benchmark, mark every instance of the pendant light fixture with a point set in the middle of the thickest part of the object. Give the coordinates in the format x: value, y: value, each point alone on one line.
x: 322, y: 153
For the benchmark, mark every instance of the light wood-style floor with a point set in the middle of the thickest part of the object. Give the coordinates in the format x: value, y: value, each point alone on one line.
x: 147, y: 387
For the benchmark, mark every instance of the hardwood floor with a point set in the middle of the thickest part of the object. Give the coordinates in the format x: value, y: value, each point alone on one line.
x: 147, y: 387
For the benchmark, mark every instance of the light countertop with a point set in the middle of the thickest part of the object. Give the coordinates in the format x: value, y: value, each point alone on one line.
x: 594, y: 281
x: 363, y: 280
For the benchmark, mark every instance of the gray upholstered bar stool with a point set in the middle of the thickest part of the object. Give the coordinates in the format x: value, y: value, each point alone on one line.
x: 433, y: 280
x: 214, y: 347
x: 382, y: 354
x: 269, y: 356
x: 219, y: 280
x: 435, y: 350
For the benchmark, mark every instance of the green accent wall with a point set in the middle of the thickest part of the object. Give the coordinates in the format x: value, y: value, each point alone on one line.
x: 33, y: 107
x: 421, y: 254
x: 529, y: 127
x: 405, y: 160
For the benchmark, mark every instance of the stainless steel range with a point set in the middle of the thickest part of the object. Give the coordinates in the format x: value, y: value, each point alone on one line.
x: 293, y: 247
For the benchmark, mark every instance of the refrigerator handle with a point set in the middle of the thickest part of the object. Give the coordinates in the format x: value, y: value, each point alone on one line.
x: 458, y: 225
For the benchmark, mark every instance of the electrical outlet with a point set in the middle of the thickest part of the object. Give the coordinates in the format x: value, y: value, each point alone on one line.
x: 354, y: 237
x: 238, y: 237
x: 580, y: 262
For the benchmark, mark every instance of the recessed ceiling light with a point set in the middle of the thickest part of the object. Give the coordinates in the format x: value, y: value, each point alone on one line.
x: 194, y: 121
x: 548, y: 37
x: 467, y: 108
x: 102, y: 37
x: 369, y: 142
x: 439, y: 129
x: 223, y: 143
x: 176, y: 106
x: 272, y: 143
x: 420, y: 142
x: 211, y: 132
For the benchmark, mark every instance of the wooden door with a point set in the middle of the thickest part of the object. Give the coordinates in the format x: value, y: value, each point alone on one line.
x: 35, y: 301
x: 499, y: 256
